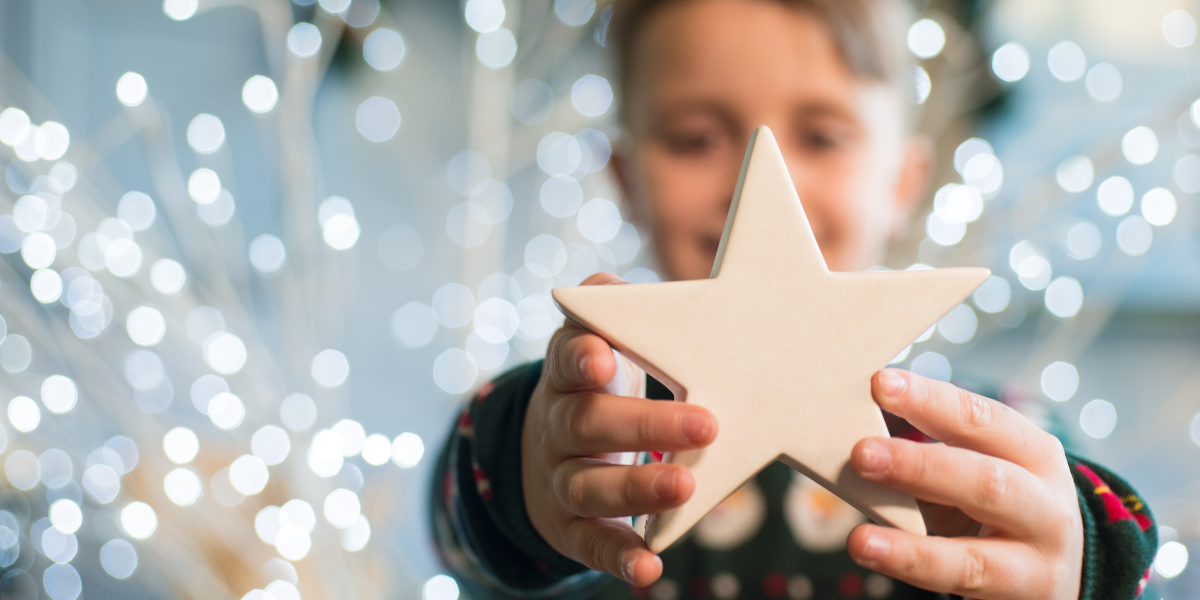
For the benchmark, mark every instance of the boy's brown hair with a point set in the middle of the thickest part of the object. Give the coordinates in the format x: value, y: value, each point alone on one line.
x: 869, y: 34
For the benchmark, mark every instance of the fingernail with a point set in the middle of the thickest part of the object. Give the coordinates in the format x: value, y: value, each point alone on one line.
x: 627, y: 570
x: 695, y: 427
x: 892, y: 383
x: 876, y: 548
x: 585, y: 362
x: 876, y: 457
x: 664, y: 484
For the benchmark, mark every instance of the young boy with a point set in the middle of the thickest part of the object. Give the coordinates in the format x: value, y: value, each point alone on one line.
x: 530, y: 498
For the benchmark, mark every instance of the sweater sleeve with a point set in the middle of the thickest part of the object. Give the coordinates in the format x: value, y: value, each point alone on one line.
x: 1120, y: 537
x: 481, y: 528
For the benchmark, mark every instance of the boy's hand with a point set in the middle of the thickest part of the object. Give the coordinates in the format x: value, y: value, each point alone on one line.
x: 998, y: 481
x: 574, y: 488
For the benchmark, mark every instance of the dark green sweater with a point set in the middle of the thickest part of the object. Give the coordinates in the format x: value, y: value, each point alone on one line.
x: 781, y: 536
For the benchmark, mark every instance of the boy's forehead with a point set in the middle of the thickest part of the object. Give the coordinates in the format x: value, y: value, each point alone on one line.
x: 758, y: 52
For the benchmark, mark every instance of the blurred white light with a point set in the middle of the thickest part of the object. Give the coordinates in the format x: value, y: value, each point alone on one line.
x: 970, y: 149
x: 926, y: 38
x: 219, y: 211
x: 1064, y: 297
x: 384, y: 49
x: 266, y: 524
x: 531, y: 101
x: 1158, y: 207
x: 205, y: 134
x: 1187, y: 174
x: 14, y: 126
x: 455, y: 371
x: 46, y: 285
x: 353, y: 435
x: 561, y: 196
x: 922, y: 85
x: 119, y: 558
x: 468, y: 224
x: 63, y: 176
x: 1194, y: 430
x: 1098, y: 418
x: 342, y: 508
x: 271, y: 443
x: 330, y: 368
x: 1035, y: 273
x: 61, y: 548
x: 65, y: 516
x: 259, y: 94
x: 487, y: 354
x: 942, y: 232
x: 224, y: 352
x: 377, y: 119
x: 495, y: 197
x: 1010, y: 62
x: 131, y: 89
x: 24, y: 414
x: 22, y: 470
x: 994, y: 295
x: 182, y: 486
x: 226, y: 410
x: 1179, y: 29
x: 496, y: 49
x: 38, y: 250
x: 52, y: 140
x: 30, y: 213
x: 440, y: 587
x: 180, y: 10
x: 545, y: 256
x: 931, y: 365
x: 484, y: 15
x: 267, y: 253
x: 181, y: 445
x: 123, y: 257
x: 356, y: 536
x: 984, y: 173
x: 62, y: 581
x: 1115, y: 196
x: 331, y: 207
x: 400, y: 248
x: 559, y: 154
x: 300, y: 514
x: 599, y: 220
x: 248, y: 474
x: 595, y: 150
x: 15, y: 353
x: 28, y: 149
x: 59, y: 394
x: 1060, y: 381
x: 146, y: 326
x: 304, y: 39
x: 101, y: 483
x: 167, y: 276
x: 1020, y: 252
x: 293, y: 543
x: 496, y: 320
x: 1104, y: 82
x: 1083, y: 241
x: 903, y: 355
x: 591, y: 95
x: 573, y: 13
x: 958, y: 326
x: 376, y: 449
x: 466, y: 170
x: 407, y: 450
x: 137, y: 210
x: 1140, y: 145
x: 280, y: 589
x: 414, y: 325
x: 1134, y: 236
x: 202, y: 322
x: 204, y: 185
x: 325, y: 454
x: 138, y: 520
x: 56, y: 468
x: 334, y: 7
x: 1075, y: 173
x: 1066, y: 61
x: 298, y: 412
x: 1172, y: 558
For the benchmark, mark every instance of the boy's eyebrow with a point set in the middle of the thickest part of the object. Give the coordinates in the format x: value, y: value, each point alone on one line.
x: 689, y: 107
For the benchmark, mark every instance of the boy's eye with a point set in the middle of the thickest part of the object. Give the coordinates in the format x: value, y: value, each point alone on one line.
x: 821, y: 140
x: 690, y: 142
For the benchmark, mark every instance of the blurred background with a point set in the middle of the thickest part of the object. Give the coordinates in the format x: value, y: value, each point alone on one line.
x: 256, y: 252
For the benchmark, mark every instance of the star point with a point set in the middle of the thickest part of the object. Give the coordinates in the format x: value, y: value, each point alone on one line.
x: 777, y: 347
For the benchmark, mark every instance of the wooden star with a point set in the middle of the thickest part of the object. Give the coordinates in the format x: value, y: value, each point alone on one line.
x: 780, y: 349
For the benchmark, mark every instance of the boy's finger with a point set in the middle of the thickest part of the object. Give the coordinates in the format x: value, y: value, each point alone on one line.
x: 590, y: 487
x: 611, y: 545
x: 578, y: 360
x: 588, y: 423
x: 969, y: 567
x: 984, y: 487
x: 960, y: 418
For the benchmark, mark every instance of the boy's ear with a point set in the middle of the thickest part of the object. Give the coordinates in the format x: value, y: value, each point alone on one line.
x: 619, y: 164
x: 915, y: 171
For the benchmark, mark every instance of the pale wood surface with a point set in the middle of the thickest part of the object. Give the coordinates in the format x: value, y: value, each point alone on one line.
x: 779, y: 348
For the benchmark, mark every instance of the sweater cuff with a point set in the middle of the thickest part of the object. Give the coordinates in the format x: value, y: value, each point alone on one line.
x: 1120, y: 536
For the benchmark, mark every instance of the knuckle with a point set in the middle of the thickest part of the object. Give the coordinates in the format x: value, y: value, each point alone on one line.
x: 977, y: 411
x: 579, y: 416
x: 570, y: 489
x: 994, y: 482
x: 973, y: 575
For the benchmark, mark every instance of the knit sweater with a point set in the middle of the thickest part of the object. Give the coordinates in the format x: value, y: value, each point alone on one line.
x: 780, y: 536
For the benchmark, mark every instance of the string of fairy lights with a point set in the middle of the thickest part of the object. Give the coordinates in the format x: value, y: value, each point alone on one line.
x: 161, y: 477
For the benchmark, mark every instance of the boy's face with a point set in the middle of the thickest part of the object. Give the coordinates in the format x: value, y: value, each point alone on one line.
x: 708, y: 73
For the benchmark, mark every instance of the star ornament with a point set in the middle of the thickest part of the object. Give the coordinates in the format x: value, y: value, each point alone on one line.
x: 777, y: 347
